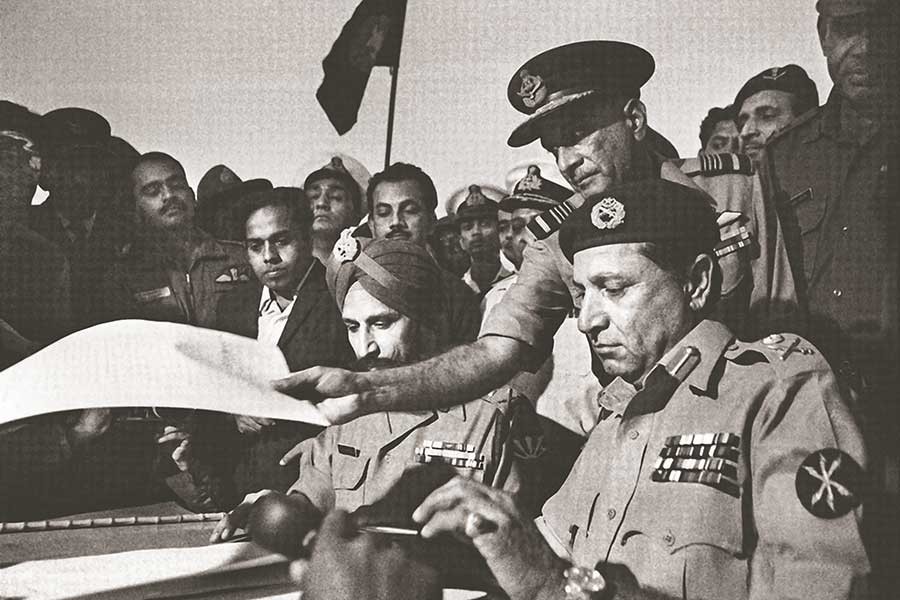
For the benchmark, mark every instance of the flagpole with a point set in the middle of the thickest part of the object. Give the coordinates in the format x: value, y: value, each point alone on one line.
x: 390, y: 123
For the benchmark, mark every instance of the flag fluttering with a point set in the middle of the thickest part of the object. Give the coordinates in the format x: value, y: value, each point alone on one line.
x: 372, y: 37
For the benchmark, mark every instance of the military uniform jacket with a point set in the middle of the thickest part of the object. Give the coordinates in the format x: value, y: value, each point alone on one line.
x: 704, y: 484
x: 145, y: 284
x: 838, y: 199
x: 544, y: 294
x: 355, y: 464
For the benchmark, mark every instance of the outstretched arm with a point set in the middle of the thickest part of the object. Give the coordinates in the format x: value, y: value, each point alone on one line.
x: 454, y: 377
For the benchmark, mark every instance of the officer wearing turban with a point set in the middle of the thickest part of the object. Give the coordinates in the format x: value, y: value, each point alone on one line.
x: 387, y: 292
x: 718, y: 468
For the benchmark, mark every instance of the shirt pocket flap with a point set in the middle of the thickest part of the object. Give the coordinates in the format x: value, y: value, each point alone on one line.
x: 810, y: 211
x: 349, y: 472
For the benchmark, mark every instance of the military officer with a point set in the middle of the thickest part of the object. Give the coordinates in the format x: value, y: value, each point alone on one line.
x: 834, y: 175
x: 585, y: 109
x: 173, y: 271
x: 718, y: 468
x: 387, y: 293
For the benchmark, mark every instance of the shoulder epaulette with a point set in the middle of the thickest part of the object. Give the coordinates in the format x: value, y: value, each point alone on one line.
x: 547, y: 222
x: 710, y: 165
x: 785, y: 352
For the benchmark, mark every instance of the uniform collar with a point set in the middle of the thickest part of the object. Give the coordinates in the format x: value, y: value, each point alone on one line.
x: 830, y: 124
x: 708, y: 339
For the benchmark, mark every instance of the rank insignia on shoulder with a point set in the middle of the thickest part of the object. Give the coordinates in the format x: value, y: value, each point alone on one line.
x: 449, y: 453
x: 707, y: 458
x: 544, y: 224
x: 718, y: 164
x: 529, y: 447
x: 828, y: 482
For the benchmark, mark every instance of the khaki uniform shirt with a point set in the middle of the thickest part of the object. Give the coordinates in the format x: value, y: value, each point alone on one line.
x: 692, y: 483
x: 543, y: 295
x: 144, y: 284
x: 355, y: 464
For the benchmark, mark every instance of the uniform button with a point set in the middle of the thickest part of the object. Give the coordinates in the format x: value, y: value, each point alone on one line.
x: 611, y: 514
x: 837, y: 293
x: 845, y: 229
x: 633, y: 434
x: 669, y: 538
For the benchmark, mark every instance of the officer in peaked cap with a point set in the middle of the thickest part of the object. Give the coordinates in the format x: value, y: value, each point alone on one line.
x: 583, y: 101
x: 336, y: 199
x: 707, y: 471
x: 769, y: 101
x: 219, y: 202
x: 480, y: 238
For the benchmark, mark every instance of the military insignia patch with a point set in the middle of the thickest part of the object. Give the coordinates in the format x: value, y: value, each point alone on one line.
x: 532, y: 180
x: 233, y: 275
x: 533, y: 92
x: 347, y: 248
x: 529, y: 447
x: 828, y: 483
x: 609, y: 213
x: 774, y: 74
x: 150, y: 295
x: 707, y: 458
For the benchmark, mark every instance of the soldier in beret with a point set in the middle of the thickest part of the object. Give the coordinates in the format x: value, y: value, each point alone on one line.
x: 834, y: 173
x: 335, y: 198
x: 769, y: 101
x: 388, y: 294
x: 718, y: 468
x: 584, y: 106
x: 173, y: 271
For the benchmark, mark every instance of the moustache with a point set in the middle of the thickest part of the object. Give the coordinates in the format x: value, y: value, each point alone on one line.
x: 374, y: 363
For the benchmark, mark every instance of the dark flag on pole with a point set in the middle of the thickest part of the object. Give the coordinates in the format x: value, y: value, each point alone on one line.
x: 370, y: 38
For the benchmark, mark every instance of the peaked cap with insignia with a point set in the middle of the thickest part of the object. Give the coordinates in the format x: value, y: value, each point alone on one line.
x: 533, y: 191
x: 650, y: 210
x: 791, y: 79
x: 476, y: 204
x: 571, y: 73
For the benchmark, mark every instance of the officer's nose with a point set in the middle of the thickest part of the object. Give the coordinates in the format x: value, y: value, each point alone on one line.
x: 397, y: 221
x: 320, y: 202
x: 749, y: 131
x: 370, y: 345
x: 568, y: 160
x: 270, y: 254
x: 593, y: 317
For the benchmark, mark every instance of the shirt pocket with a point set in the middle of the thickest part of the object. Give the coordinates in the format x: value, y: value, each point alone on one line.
x: 349, y: 476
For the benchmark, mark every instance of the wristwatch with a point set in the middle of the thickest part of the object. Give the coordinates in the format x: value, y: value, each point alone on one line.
x: 583, y: 583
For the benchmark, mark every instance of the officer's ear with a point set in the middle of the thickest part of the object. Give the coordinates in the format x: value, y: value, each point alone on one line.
x: 700, y: 282
x: 636, y: 118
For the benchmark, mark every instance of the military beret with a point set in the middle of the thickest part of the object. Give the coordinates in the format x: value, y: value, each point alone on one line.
x: 650, y: 210
x: 533, y: 191
x: 570, y: 73
x: 221, y: 191
x: 335, y: 169
x: 75, y: 128
x: 846, y: 8
x: 790, y: 78
x: 400, y: 274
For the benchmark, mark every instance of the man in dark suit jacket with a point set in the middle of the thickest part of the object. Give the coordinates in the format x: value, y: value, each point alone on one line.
x: 292, y: 307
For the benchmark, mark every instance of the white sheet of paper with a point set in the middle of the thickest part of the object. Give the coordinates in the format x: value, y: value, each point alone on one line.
x: 149, y: 363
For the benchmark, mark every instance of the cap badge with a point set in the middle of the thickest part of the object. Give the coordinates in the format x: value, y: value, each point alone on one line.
x: 533, y: 92
x: 475, y: 197
x: 347, y: 248
x: 336, y: 164
x: 774, y: 74
x: 532, y: 180
x: 226, y: 176
x: 609, y: 213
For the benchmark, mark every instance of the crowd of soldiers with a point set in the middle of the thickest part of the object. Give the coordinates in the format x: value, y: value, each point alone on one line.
x: 727, y: 431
